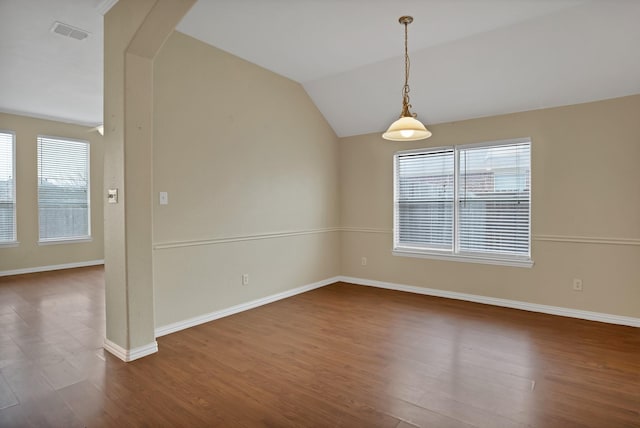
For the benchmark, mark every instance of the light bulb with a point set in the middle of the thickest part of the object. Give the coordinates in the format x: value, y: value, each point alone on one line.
x: 406, y: 133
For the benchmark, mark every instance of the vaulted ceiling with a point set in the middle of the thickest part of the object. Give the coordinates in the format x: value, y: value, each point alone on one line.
x: 469, y: 58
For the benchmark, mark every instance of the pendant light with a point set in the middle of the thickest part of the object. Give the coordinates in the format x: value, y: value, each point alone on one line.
x: 407, y: 128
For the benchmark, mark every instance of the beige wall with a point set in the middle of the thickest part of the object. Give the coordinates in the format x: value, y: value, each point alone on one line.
x: 28, y: 254
x: 243, y: 153
x: 258, y: 183
x: 585, y: 187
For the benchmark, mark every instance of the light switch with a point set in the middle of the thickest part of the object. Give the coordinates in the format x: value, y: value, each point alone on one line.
x: 112, y: 196
x: 164, y: 198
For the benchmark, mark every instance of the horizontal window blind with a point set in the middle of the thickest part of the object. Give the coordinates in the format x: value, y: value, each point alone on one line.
x: 63, y: 189
x: 7, y: 188
x: 493, y: 200
x: 424, y: 203
x: 468, y: 201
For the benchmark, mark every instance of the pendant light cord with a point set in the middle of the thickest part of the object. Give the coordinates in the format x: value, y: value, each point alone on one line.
x: 407, y: 64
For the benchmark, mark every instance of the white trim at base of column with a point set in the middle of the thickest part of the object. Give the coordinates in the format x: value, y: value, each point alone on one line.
x: 128, y: 355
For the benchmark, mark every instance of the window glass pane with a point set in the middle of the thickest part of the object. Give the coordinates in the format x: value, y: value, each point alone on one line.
x: 7, y: 188
x: 425, y: 200
x: 63, y: 188
x: 493, y: 191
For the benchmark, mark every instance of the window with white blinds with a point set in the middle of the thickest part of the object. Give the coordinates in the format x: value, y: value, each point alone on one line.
x: 465, y: 202
x: 425, y: 195
x: 63, y: 189
x: 7, y: 188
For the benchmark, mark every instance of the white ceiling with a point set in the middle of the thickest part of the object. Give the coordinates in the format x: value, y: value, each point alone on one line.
x: 470, y: 58
x: 47, y: 75
x: 307, y: 40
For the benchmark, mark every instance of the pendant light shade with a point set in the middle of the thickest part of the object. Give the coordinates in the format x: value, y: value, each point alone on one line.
x: 407, y: 128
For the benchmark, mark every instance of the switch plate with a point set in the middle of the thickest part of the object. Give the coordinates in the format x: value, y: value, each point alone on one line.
x: 164, y: 198
x: 245, y: 279
x: 112, y: 196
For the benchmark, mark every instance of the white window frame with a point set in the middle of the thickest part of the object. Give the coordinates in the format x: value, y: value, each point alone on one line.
x: 454, y: 254
x: 71, y: 239
x: 13, y: 242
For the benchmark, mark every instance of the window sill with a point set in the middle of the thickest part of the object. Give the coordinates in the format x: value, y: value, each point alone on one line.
x: 66, y: 241
x: 527, y: 263
x: 9, y: 244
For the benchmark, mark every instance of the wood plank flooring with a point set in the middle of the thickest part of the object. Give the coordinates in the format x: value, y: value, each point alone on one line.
x: 339, y: 356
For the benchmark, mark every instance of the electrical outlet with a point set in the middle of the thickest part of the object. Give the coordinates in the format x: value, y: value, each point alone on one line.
x: 245, y: 279
x: 577, y: 284
x: 363, y: 261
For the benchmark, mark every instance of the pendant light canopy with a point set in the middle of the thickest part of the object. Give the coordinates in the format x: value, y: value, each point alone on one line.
x: 407, y: 128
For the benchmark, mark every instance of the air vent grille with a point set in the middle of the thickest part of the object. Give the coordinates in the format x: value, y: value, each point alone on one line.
x: 69, y: 31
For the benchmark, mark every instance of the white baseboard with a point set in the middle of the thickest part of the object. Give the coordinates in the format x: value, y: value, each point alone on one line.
x: 51, y: 267
x: 514, y: 304
x: 191, y: 322
x: 128, y: 355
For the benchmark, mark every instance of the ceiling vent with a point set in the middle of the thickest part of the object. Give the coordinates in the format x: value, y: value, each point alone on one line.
x: 69, y: 31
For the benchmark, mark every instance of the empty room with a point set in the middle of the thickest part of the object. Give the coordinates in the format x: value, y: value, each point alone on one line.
x: 302, y: 213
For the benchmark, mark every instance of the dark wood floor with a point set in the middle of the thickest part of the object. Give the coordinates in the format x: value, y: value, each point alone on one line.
x: 340, y: 356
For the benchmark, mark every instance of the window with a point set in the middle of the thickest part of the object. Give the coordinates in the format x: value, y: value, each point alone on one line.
x: 63, y: 189
x: 7, y: 188
x: 469, y: 203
